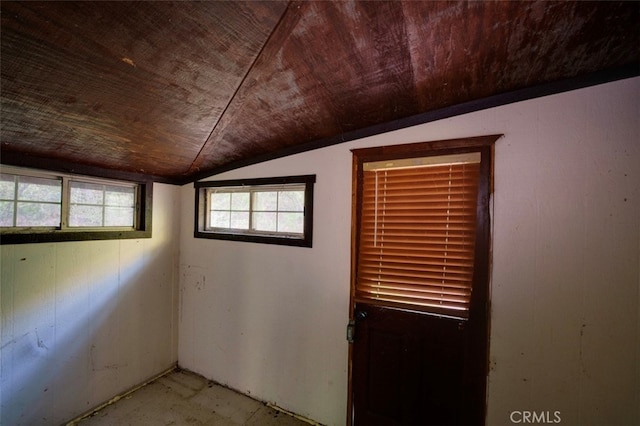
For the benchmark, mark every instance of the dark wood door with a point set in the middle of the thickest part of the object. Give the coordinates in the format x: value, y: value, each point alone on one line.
x: 420, y: 279
x: 411, y: 369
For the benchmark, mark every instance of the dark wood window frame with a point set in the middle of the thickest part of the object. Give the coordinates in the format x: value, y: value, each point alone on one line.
x: 200, y: 230
x: 479, y: 303
x: 143, y: 219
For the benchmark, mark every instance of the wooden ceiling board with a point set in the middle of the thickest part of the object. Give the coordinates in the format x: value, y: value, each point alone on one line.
x: 331, y: 67
x: 128, y: 86
x: 477, y: 49
x: 180, y: 89
x: 334, y: 67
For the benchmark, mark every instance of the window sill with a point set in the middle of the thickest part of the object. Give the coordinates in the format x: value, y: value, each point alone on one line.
x: 63, y: 236
x: 265, y: 239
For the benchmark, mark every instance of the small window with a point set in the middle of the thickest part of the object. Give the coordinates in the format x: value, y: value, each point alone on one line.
x: 41, y: 206
x: 417, y: 233
x: 269, y: 210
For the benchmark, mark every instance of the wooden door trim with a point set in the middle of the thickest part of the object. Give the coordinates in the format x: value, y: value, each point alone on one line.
x: 355, y: 170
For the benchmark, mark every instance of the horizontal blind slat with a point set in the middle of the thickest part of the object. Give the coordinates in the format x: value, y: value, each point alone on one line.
x: 451, y: 291
x: 398, y: 176
x: 418, y: 195
x: 433, y: 281
x: 432, y: 168
x: 432, y: 308
x: 434, y: 272
x: 417, y: 304
x: 374, y: 292
x: 413, y: 297
x: 407, y: 225
x: 420, y: 255
x: 419, y: 258
x: 428, y: 286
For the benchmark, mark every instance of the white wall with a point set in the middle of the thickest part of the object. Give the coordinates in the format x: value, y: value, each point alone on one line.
x: 85, y: 321
x: 270, y: 320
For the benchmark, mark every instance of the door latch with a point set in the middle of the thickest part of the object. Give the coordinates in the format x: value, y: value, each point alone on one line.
x: 351, y: 327
x: 351, y: 330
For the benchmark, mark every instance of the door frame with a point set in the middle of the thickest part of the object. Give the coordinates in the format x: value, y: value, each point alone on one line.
x: 479, y: 308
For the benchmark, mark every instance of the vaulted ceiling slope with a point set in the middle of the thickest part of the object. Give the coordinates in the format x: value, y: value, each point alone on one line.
x: 179, y: 90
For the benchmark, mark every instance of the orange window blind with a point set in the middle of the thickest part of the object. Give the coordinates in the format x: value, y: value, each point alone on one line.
x: 417, y: 237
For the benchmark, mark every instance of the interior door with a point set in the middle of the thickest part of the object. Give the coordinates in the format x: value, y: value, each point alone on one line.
x: 419, y: 344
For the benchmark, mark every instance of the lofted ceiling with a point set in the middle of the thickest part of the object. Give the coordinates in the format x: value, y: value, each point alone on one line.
x: 179, y: 90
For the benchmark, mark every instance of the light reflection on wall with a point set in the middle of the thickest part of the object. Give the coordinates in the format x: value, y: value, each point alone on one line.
x: 72, y: 316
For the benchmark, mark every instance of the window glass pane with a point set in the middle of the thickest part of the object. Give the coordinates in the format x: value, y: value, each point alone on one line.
x: 119, y: 196
x: 118, y: 216
x: 266, y: 201
x: 240, y: 201
x: 6, y: 213
x: 264, y: 221
x: 240, y: 220
x: 81, y: 215
x: 86, y: 193
x: 219, y: 219
x: 220, y: 201
x: 292, y: 201
x: 38, y: 214
x: 39, y: 189
x: 7, y: 187
x: 291, y: 222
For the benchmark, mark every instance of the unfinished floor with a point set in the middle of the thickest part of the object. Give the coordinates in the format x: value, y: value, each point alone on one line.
x: 185, y: 398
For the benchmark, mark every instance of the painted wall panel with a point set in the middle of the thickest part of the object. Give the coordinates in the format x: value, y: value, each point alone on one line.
x: 565, y: 332
x: 85, y: 321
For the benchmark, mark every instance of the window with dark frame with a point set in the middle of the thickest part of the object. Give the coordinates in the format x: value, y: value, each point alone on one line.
x: 43, y: 206
x: 417, y: 233
x: 265, y: 210
x: 421, y: 233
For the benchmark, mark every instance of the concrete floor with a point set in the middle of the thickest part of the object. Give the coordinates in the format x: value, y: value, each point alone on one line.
x: 185, y: 398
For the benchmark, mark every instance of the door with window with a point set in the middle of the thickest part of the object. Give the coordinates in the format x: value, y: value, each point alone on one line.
x: 420, y: 273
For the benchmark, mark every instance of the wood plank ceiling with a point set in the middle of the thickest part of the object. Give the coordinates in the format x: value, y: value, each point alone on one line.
x: 178, y: 90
